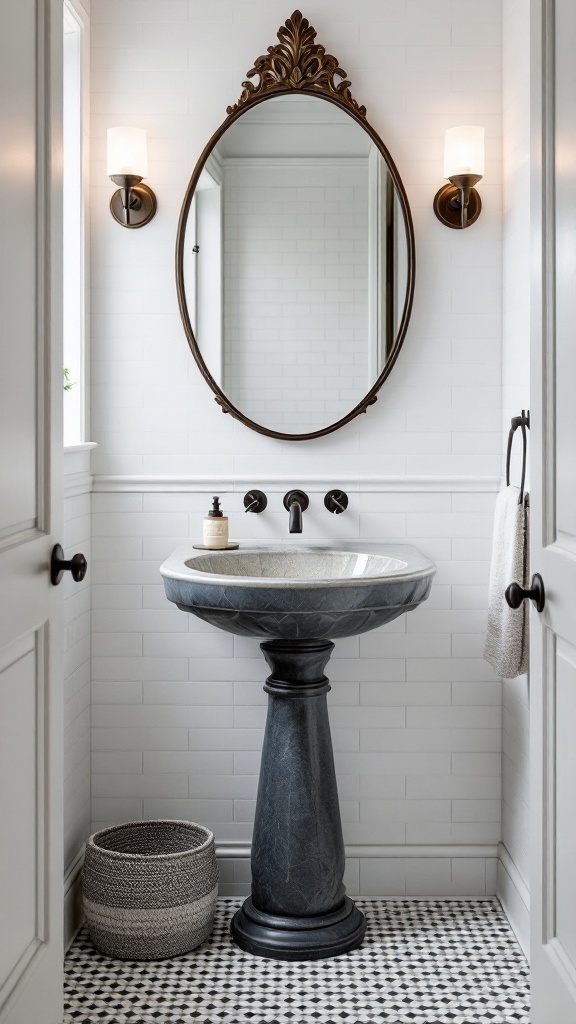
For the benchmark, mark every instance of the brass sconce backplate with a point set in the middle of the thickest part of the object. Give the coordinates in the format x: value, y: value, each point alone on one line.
x: 141, y: 212
x: 448, y: 209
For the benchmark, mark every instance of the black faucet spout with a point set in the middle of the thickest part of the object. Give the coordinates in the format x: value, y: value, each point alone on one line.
x: 295, y: 502
x: 295, y: 524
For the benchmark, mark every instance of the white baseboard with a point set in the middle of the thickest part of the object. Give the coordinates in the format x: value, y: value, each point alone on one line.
x: 72, y: 904
x: 394, y: 860
x: 240, y: 849
x: 514, y: 896
x: 388, y: 871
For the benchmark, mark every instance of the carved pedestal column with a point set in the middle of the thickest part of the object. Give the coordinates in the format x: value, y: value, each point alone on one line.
x: 298, y: 909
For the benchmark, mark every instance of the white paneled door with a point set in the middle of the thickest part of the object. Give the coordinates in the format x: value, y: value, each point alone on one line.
x: 553, y: 546
x: 30, y: 512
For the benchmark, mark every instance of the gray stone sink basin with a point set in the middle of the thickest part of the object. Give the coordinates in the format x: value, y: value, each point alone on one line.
x: 299, y: 593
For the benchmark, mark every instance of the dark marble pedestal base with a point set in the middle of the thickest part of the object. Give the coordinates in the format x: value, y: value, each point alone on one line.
x: 298, y: 909
x: 299, y: 938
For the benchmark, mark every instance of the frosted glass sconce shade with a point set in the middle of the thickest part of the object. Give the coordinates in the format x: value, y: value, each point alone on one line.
x: 133, y: 204
x: 464, y: 151
x: 458, y: 204
x: 127, y: 151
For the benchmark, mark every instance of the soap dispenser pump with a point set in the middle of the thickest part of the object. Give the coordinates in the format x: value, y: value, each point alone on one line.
x: 215, y: 527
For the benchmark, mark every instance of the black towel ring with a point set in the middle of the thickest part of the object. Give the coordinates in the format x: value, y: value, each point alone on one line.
x: 522, y: 421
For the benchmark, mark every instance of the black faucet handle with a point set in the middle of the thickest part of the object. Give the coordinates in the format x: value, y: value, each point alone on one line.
x: 255, y: 501
x: 336, y: 501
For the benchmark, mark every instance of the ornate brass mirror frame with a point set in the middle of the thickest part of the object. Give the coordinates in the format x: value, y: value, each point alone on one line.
x: 296, y: 65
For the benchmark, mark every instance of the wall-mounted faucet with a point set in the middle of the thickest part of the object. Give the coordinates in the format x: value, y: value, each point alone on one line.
x: 296, y: 502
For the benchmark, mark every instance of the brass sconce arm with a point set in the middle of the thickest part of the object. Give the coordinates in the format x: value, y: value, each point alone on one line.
x: 133, y: 204
x: 130, y: 199
x: 465, y: 183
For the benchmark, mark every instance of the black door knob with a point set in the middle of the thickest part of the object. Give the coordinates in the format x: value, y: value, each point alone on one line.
x: 515, y: 594
x: 59, y: 565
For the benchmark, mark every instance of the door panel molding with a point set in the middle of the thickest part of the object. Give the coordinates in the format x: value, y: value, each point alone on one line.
x: 549, y: 785
x: 565, y: 543
x: 43, y: 761
x: 14, y: 651
x: 563, y: 717
x: 21, y: 534
x: 562, y: 964
x: 17, y: 977
x: 33, y: 643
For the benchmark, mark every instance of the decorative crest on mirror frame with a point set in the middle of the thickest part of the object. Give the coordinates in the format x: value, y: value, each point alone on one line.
x: 297, y: 62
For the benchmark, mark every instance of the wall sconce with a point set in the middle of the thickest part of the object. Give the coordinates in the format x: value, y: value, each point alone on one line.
x: 458, y: 205
x: 133, y: 204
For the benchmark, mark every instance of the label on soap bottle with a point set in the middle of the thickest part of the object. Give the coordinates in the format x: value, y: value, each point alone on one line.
x: 215, y: 532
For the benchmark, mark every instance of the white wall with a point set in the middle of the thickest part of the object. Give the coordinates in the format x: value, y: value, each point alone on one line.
x: 413, y: 64
x: 515, y: 879
x: 178, y: 708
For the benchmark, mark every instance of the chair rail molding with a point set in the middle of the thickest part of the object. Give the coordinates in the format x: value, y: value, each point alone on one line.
x: 278, y: 482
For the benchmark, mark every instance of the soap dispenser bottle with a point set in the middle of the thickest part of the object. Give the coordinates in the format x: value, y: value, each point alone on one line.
x: 215, y: 527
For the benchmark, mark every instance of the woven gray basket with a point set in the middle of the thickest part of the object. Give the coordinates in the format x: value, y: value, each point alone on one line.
x: 149, y: 888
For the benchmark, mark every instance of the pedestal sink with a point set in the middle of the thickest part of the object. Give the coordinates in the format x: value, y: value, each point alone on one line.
x: 299, y: 599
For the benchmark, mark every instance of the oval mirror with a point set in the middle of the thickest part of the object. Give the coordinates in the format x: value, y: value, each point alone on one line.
x: 295, y: 249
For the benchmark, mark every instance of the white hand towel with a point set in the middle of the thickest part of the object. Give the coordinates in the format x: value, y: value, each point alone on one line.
x: 506, y: 646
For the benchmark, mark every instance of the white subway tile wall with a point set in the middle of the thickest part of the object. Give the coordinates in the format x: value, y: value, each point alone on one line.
x: 413, y: 703
x: 77, y: 612
x: 178, y: 706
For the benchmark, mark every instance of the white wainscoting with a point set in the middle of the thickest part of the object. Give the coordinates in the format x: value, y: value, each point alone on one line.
x: 178, y: 708
x: 77, y: 698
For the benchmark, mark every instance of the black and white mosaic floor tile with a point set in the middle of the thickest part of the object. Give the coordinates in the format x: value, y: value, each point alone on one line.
x: 422, y: 962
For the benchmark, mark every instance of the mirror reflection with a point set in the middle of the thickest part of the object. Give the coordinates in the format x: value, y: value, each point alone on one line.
x: 295, y: 263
